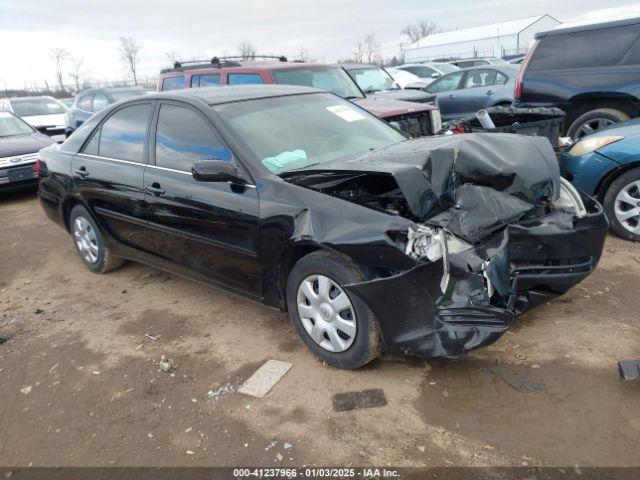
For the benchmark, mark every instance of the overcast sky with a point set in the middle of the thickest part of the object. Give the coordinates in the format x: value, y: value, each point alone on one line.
x: 328, y: 29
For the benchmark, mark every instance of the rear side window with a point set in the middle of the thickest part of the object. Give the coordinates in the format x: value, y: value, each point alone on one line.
x: 173, y: 83
x: 595, y: 48
x: 123, y: 134
x: 480, y: 78
x: 244, y: 78
x: 205, y: 80
x: 184, y: 136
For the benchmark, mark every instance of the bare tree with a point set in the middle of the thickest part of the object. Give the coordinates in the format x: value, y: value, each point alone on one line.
x: 371, y: 48
x: 359, y: 53
x: 303, y: 54
x: 419, y: 30
x: 172, y: 56
x: 247, y: 50
x: 76, y: 74
x: 130, y: 55
x: 59, y: 55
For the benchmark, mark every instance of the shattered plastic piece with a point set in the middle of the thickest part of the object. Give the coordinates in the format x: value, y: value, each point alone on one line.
x: 26, y: 390
x: 629, y: 369
x: 263, y: 380
x: 363, y: 399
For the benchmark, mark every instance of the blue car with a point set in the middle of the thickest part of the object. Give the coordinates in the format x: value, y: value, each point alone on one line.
x: 464, y: 92
x: 606, y: 165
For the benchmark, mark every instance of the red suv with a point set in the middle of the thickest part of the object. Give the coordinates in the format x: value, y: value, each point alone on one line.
x: 414, y: 119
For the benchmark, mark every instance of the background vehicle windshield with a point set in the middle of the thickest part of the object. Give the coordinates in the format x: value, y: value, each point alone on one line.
x: 331, y: 79
x: 294, y: 132
x: 447, y: 68
x: 122, y: 94
x: 25, y: 107
x: 12, y: 125
x: 373, y: 79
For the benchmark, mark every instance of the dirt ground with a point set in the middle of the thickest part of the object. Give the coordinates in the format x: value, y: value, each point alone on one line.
x: 97, y: 396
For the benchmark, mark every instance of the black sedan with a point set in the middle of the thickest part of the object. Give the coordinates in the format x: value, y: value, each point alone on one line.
x: 304, y: 201
x: 19, y: 145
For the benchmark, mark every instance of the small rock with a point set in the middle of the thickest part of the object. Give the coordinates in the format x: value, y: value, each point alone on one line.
x: 445, y: 393
x: 287, y: 445
x: 150, y: 435
x: 279, y: 457
x: 38, y: 311
x: 166, y: 365
x: 535, y: 365
x: 362, y: 453
x: 422, y: 448
x: 123, y: 291
x: 95, y: 372
x: 190, y: 452
x: 26, y: 390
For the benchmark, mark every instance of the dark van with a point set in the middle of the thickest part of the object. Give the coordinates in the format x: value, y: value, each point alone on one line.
x: 592, y: 72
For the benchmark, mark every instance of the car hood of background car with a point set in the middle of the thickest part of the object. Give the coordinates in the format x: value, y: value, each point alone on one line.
x: 626, y: 150
x: 387, y: 107
x: 21, y: 144
x: 410, y: 95
x: 471, y: 184
x: 55, y: 119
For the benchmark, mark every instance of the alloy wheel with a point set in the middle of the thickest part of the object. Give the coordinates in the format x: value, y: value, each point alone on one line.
x: 326, y: 313
x: 627, y: 207
x: 86, y: 240
x: 591, y: 126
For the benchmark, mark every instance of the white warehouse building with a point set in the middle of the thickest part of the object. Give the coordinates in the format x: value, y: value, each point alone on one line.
x: 496, y: 40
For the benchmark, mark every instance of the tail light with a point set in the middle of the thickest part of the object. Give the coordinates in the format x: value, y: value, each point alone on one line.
x: 523, y: 67
x: 36, y: 167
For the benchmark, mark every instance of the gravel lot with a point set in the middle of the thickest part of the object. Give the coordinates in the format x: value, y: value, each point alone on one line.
x: 97, y: 396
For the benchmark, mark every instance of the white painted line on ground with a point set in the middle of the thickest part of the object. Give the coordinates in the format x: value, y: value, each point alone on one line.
x: 263, y: 379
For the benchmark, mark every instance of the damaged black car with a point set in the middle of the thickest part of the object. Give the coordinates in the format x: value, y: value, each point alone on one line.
x: 374, y: 244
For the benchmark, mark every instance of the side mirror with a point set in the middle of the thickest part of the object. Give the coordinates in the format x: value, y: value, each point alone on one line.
x: 216, y: 170
x: 435, y: 75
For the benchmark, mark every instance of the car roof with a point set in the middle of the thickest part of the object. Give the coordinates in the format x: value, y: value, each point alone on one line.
x: 588, y: 27
x: 235, y: 93
x: 35, y: 97
x: 110, y: 89
x: 506, y: 68
x: 355, y: 66
x: 257, y: 64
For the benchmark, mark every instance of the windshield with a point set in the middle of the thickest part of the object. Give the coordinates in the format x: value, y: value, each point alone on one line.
x: 122, y: 94
x: 373, y: 79
x: 331, y: 79
x: 12, y: 125
x: 25, y: 107
x: 447, y: 68
x: 293, y: 132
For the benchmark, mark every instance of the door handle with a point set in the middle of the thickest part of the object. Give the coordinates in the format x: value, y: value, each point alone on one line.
x: 154, y: 189
x: 452, y: 96
x: 489, y: 92
x: 81, y: 172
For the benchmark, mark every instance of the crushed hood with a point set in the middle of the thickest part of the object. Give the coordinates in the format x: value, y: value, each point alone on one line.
x: 471, y: 184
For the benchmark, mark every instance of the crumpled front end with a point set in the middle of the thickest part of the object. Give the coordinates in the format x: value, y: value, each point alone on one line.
x: 460, y: 297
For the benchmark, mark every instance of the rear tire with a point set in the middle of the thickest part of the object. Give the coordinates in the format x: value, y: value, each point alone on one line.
x: 89, y: 242
x: 594, y: 120
x: 335, y: 320
x: 622, y: 205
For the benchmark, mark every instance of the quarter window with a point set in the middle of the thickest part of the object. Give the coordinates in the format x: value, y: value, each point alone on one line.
x: 173, y: 83
x: 184, y: 136
x: 100, y: 101
x: 123, y: 134
x: 244, y: 78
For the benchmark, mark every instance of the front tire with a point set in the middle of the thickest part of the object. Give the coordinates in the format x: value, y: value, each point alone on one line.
x: 337, y: 328
x: 622, y: 205
x: 594, y: 120
x: 89, y: 242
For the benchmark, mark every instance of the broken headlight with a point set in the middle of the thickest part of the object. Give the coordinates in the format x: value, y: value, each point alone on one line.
x: 433, y: 243
x: 569, y: 199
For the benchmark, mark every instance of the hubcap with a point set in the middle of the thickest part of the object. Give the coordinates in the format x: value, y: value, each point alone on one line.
x: 326, y: 313
x: 85, y: 239
x: 592, y: 125
x: 627, y: 207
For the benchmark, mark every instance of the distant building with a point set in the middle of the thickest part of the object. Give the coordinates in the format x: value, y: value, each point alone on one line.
x: 496, y: 40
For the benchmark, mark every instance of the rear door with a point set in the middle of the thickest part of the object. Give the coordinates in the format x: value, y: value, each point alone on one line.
x: 108, y: 171
x: 208, y: 229
x: 446, y: 89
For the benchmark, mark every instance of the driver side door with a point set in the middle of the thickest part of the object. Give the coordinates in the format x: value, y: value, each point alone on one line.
x: 446, y: 89
x: 208, y: 231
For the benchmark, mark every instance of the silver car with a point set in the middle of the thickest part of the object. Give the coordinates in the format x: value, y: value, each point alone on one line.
x: 428, y: 71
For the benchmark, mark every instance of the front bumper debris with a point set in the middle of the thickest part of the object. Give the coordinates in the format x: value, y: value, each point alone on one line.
x: 508, y: 273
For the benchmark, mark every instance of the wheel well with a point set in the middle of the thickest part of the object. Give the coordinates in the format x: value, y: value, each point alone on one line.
x: 67, y: 206
x: 582, y: 104
x: 288, y: 259
x: 606, y: 182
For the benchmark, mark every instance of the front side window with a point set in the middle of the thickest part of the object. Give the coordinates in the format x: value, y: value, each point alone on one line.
x: 184, y: 136
x: 85, y: 103
x: 372, y: 79
x: 294, y: 132
x: 244, y: 79
x: 446, y: 83
x: 212, y: 80
x: 26, y: 107
x: 173, y: 83
x: 331, y: 79
x: 123, y: 134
